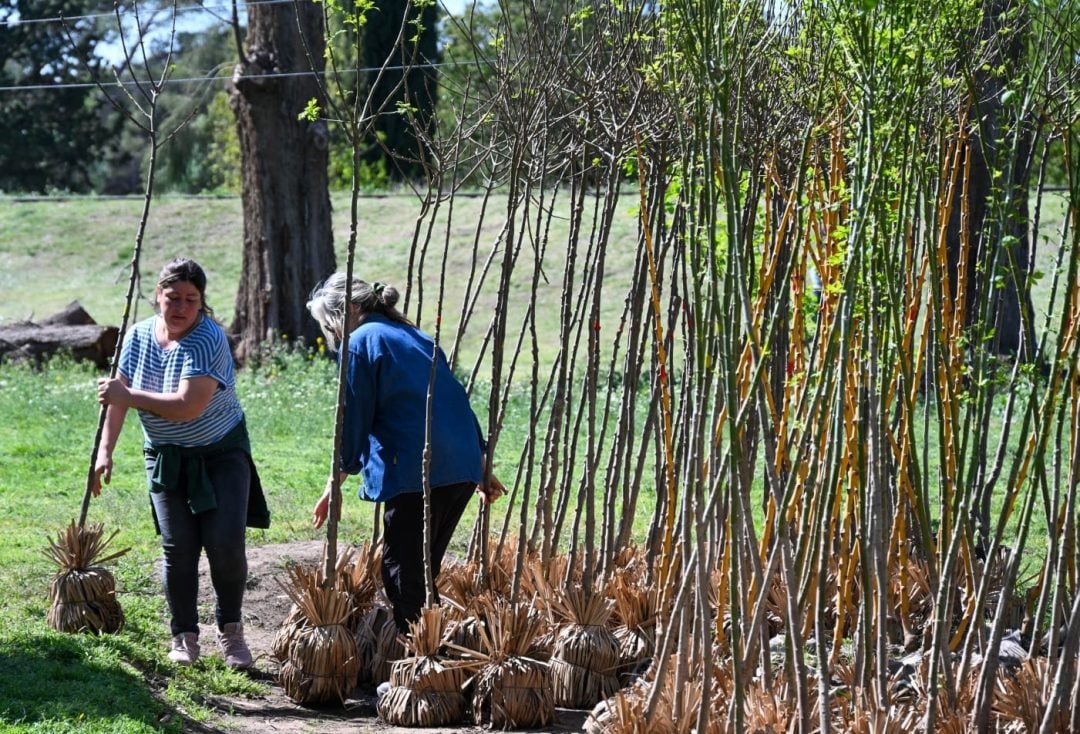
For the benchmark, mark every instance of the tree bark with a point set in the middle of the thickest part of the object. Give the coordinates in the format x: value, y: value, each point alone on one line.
x: 288, y: 240
x: 990, y: 149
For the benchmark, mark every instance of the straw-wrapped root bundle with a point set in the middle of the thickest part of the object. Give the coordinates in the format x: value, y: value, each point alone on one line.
x: 515, y: 693
x: 84, y: 600
x: 378, y: 619
x: 512, y: 690
x: 585, y: 659
x: 424, y: 690
x: 578, y: 686
x: 290, y: 628
x: 321, y: 666
x: 624, y: 713
x: 385, y: 644
x: 636, y: 646
x: 318, y: 650
x: 83, y: 595
x: 635, y: 607
x: 409, y: 707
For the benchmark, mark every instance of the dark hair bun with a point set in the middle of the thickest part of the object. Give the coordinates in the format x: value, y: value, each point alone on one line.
x: 390, y: 296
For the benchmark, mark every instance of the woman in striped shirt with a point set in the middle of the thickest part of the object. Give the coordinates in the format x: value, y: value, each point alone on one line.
x: 176, y: 370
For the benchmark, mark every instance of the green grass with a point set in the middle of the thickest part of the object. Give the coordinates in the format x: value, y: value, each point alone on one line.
x: 54, y: 252
x: 51, y: 682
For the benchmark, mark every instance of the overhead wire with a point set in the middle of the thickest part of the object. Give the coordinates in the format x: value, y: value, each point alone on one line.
x: 212, y: 9
x: 224, y: 77
x: 189, y: 80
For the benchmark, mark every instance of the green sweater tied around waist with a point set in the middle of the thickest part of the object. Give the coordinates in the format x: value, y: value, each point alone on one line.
x: 172, y: 462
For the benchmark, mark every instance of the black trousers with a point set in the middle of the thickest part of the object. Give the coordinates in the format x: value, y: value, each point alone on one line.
x: 403, y: 544
x: 218, y: 532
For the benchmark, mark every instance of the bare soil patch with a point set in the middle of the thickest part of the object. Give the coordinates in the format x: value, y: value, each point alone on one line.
x: 265, y: 607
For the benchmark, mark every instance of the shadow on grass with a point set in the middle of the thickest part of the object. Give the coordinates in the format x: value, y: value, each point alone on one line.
x: 53, y: 677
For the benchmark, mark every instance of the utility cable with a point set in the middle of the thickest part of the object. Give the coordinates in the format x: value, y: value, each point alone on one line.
x: 94, y: 16
x: 268, y: 75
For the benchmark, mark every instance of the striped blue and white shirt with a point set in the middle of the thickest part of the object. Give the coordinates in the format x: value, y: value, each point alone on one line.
x: 202, y: 352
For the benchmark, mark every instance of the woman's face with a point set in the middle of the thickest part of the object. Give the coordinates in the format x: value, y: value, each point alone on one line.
x: 179, y: 304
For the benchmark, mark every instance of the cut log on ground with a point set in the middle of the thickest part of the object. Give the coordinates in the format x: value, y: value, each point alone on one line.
x: 71, y: 331
x: 72, y: 315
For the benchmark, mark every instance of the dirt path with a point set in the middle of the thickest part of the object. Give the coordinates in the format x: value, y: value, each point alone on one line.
x: 265, y: 606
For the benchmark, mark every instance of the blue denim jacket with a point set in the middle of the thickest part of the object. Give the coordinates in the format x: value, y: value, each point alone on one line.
x: 385, y: 410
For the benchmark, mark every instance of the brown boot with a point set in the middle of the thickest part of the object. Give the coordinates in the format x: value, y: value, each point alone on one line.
x: 231, y: 641
x: 185, y: 648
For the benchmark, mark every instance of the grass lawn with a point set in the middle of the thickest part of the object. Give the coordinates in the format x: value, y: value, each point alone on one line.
x: 54, y: 252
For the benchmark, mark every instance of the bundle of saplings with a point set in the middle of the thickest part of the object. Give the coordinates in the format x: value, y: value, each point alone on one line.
x: 319, y: 653
x: 511, y: 690
x: 83, y: 591
x: 425, y: 690
x: 585, y: 660
x: 635, y: 605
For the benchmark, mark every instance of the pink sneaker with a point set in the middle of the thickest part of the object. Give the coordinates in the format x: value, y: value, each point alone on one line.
x: 185, y: 648
x: 231, y: 641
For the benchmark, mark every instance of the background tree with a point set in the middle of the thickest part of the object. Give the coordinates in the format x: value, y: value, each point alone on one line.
x: 205, y: 154
x: 51, y: 138
x: 990, y: 212
x: 288, y: 241
x: 409, y: 83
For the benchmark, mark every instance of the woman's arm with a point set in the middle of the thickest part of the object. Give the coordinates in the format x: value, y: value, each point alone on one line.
x: 110, y: 432
x: 187, y: 403
x: 322, y: 506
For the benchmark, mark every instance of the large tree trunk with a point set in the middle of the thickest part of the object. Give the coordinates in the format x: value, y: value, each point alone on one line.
x: 288, y: 241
